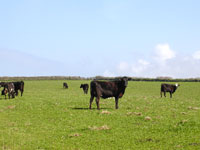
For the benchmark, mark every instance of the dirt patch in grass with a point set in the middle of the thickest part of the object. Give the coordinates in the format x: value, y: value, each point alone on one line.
x: 194, y: 144
x: 182, y: 122
x: 105, y: 112
x: 148, y: 118
x: 193, y: 108
x: 134, y: 113
x: 11, y: 107
x: 178, y: 146
x: 75, y: 135
x: 183, y: 113
x: 148, y: 140
x: 104, y: 127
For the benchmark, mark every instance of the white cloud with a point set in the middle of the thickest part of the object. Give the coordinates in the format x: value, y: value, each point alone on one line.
x: 140, y: 66
x: 137, y: 68
x: 196, y: 55
x: 161, y: 63
x: 163, y: 52
x: 123, y: 66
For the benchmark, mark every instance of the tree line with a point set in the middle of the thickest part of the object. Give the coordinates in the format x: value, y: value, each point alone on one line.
x: 159, y: 79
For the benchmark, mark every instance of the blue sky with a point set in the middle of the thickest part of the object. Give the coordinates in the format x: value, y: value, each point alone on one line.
x: 137, y: 38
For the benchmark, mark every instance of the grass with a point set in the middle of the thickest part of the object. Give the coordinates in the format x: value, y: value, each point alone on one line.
x: 50, y: 117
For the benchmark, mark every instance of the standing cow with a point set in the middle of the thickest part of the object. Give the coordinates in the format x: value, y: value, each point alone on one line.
x: 65, y: 85
x: 9, y: 89
x: 85, y: 88
x: 106, y: 89
x: 171, y: 88
x: 19, y: 86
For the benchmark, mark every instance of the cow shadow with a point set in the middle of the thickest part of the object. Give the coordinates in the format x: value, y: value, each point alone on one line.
x: 86, y: 108
x: 2, y: 98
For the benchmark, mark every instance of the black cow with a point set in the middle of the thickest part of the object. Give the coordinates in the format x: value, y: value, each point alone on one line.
x: 106, y: 89
x: 171, y: 88
x: 9, y: 89
x: 65, y: 85
x: 85, y: 88
x: 2, y: 84
x: 19, y: 86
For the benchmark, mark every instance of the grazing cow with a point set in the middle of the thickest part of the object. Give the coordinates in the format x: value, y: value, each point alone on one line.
x: 3, y: 92
x: 19, y: 86
x: 65, y: 85
x: 106, y: 89
x: 2, y: 84
x: 9, y: 89
x: 171, y: 88
x: 85, y: 88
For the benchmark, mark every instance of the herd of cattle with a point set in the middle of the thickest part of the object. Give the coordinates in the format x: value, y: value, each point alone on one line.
x: 116, y: 89
x: 103, y: 89
x: 12, y: 88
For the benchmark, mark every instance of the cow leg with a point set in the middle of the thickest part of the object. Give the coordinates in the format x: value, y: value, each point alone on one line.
x: 22, y: 92
x: 16, y: 92
x: 13, y: 95
x: 116, y: 102
x: 165, y: 94
x: 97, y: 102
x: 91, y: 100
x: 170, y: 94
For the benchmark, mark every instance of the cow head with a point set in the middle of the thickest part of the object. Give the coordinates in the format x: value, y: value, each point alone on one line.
x: 177, y: 85
x: 81, y: 86
x: 125, y: 80
x: 4, y: 91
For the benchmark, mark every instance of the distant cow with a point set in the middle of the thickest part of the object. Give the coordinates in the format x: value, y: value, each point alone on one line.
x: 65, y: 85
x: 85, y: 88
x: 9, y: 89
x: 171, y: 88
x: 19, y: 86
x: 106, y: 89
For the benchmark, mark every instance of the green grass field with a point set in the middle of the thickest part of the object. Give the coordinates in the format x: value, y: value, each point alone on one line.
x: 48, y: 117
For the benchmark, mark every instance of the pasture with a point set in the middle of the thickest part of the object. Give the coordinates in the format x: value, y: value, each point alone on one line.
x: 49, y: 117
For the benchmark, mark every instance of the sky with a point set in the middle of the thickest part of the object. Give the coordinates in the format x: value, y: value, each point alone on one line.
x: 136, y: 38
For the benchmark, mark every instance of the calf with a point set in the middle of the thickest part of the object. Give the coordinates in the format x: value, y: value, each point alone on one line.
x: 106, y: 89
x: 65, y: 85
x: 85, y: 88
x: 171, y: 88
x: 19, y: 86
x: 9, y: 89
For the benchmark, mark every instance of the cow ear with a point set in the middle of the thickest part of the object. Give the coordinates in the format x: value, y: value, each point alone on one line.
x: 126, y: 78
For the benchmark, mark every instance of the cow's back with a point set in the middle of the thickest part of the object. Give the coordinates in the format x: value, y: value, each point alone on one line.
x: 103, y: 89
x: 168, y: 88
